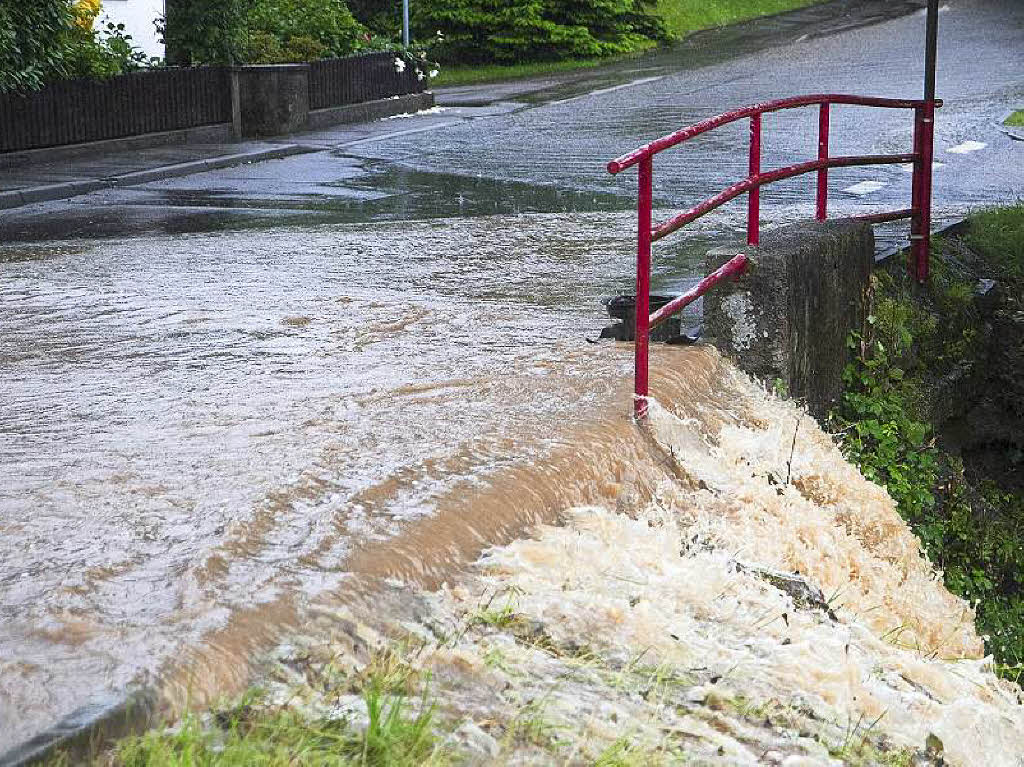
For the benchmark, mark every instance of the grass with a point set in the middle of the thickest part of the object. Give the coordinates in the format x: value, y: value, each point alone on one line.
x: 391, y: 739
x: 489, y: 73
x: 1016, y: 120
x: 998, y: 235
x: 249, y: 733
x: 685, y: 16
x: 681, y: 17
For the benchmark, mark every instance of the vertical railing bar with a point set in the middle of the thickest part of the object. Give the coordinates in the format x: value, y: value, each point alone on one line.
x: 643, y: 289
x: 754, y: 195
x: 823, y: 129
x: 923, y: 243
x: 915, y: 193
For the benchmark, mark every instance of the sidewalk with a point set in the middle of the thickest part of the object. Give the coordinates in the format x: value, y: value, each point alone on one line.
x: 38, y: 180
x: 61, y: 172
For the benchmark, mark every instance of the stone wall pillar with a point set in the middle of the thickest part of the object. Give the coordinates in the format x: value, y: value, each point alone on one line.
x: 273, y: 99
x: 788, y: 317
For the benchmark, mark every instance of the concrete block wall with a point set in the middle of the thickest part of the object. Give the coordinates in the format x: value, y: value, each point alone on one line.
x: 787, y: 319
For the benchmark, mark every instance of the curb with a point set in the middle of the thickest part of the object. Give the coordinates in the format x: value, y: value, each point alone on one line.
x: 218, y: 133
x: 79, y: 734
x: 369, y: 111
x: 62, y: 191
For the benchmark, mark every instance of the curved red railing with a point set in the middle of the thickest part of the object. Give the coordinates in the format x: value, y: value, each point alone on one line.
x: 919, y: 211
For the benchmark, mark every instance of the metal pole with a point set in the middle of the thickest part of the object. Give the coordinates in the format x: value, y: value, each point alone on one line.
x: 917, y: 185
x: 931, y: 47
x: 922, y: 245
x: 643, y: 289
x: 821, y: 206
x: 754, y: 195
x: 405, y: 23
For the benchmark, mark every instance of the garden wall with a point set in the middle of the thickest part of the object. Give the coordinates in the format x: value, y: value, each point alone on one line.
x: 168, y: 99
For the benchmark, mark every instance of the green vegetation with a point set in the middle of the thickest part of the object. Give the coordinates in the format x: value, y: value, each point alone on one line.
x: 31, y: 46
x: 678, y: 17
x: 684, y: 16
x: 1016, y: 120
x: 54, y: 39
x: 487, y: 73
x: 485, y: 32
x: 260, y: 31
x: 300, y: 30
x: 205, y: 31
x: 247, y: 735
x: 478, y: 40
x: 998, y: 236
x: 896, y: 395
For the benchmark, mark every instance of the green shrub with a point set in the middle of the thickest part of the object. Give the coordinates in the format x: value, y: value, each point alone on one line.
x: 881, y: 436
x: 101, y: 54
x: 205, y: 31
x: 304, y: 48
x: 307, y: 28
x: 382, y: 17
x: 40, y: 42
x: 32, y: 43
x: 262, y: 48
x: 486, y: 31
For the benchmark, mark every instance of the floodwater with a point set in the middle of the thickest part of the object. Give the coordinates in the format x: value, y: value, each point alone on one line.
x: 199, y: 433
x: 209, y: 439
x: 648, y: 612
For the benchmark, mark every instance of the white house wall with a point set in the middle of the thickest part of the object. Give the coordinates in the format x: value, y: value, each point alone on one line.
x: 138, y: 17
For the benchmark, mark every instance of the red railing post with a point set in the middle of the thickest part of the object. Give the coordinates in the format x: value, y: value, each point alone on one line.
x: 823, y: 126
x: 643, y: 289
x: 754, y: 195
x: 915, y: 194
x: 922, y: 243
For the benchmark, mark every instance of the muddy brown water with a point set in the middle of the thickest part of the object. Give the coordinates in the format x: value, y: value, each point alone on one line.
x: 201, y: 433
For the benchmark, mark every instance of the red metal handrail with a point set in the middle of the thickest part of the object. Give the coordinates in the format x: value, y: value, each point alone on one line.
x: 684, y: 134
x: 919, y: 211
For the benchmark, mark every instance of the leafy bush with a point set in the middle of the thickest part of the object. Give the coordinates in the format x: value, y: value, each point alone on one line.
x: 101, y: 54
x: 306, y: 29
x: 879, y: 434
x: 304, y: 48
x: 382, y: 17
x: 482, y: 31
x: 262, y: 48
x: 45, y: 41
x: 32, y: 43
x: 205, y: 31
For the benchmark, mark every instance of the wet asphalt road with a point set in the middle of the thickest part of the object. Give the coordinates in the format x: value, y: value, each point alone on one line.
x: 542, y: 146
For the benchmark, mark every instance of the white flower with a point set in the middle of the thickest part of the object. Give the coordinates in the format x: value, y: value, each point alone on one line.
x: 419, y: 74
x: 399, y: 65
x: 433, y: 73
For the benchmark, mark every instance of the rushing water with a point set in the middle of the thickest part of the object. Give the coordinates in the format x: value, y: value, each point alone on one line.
x: 202, y: 431
x: 645, y: 609
x: 202, y: 436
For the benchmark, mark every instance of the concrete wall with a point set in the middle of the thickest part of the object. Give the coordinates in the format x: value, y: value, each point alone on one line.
x: 138, y: 17
x: 788, y: 317
x: 273, y: 98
